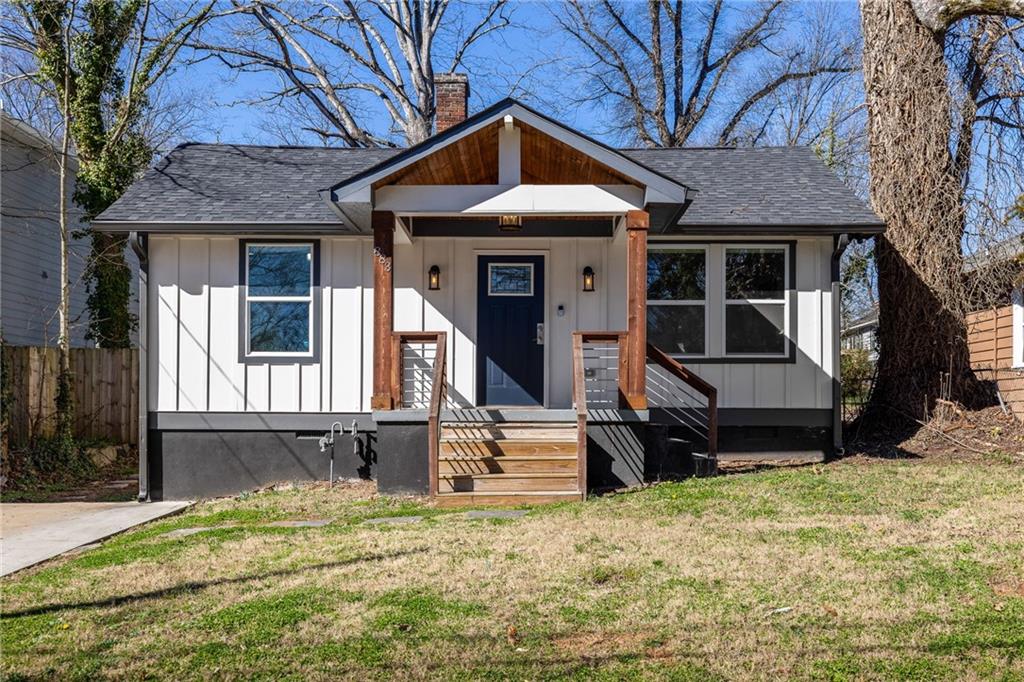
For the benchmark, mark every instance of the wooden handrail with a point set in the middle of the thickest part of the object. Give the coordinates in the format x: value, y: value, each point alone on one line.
x: 579, y: 397
x: 438, y: 390
x: 704, y: 388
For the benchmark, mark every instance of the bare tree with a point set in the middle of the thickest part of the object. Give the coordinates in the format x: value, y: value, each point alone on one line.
x: 663, y: 91
x: 106, y: 72
x: 920, y: 156
x: 338, y: 60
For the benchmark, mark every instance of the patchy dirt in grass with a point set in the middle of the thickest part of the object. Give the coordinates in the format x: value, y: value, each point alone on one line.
x: 114, y: 479
x: 952, y: 435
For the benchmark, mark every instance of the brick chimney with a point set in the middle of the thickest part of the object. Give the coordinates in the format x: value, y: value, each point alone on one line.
x: 451, y: 95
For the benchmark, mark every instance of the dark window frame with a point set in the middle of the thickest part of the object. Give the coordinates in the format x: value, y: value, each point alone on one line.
x: 721, y: 358
x: 705, y: 303
x: 244, y: 356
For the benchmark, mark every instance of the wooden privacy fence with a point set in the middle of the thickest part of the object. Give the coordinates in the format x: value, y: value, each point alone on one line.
x: 105, y: 386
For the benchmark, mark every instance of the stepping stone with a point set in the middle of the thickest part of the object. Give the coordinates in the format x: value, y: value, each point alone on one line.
x: 185, y: 532
x: 395, y: 520
x: 497, y: 514
x: 315, y: 523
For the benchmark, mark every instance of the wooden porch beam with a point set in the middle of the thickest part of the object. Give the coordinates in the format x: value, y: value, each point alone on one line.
x: 637, y: 225
x: 383, y: 223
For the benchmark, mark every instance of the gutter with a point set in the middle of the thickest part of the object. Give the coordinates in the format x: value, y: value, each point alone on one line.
x: 841, y: 242
x: 140, y: 244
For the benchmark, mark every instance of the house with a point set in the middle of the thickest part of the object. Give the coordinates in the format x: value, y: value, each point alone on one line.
x: 860, y: 334
x: 507, y: 312
x: 30, y: 239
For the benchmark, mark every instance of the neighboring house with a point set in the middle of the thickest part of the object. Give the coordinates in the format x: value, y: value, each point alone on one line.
x: 30, y: 241
x: 290, y: 288
x: 860, y: 334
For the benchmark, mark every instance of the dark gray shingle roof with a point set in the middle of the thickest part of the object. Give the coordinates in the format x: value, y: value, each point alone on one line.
x: 197, y: 183
x: 745, y: 186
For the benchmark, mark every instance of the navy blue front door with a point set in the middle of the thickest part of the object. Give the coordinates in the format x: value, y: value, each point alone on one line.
x: 510, y: 330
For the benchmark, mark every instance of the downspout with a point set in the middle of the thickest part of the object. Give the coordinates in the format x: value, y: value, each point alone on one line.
x: 841, y: 242
x: 140, y: 245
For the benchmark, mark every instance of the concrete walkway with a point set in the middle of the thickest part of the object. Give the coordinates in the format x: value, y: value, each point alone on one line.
x: 31, y: 533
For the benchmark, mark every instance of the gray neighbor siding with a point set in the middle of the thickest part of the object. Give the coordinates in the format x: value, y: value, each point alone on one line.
x: 30, y: 243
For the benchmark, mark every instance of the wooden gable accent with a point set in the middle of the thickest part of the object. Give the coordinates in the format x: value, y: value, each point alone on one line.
x: 473, y: 160
x: 547, y: 161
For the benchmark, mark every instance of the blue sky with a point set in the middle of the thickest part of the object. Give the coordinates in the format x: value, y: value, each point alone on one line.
x: 493, y: 65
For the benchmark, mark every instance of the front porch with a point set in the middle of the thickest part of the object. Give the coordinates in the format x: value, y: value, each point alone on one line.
x: 514, y: 251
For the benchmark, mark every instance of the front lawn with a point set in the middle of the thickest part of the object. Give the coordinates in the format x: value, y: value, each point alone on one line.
x: 858, y: 569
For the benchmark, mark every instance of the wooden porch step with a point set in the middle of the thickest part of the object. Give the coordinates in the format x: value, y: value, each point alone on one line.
x: 505, y: 499
x: 509, y: 431
x: 507, y: 464
x: 507, y: 447
x: 511, y: 483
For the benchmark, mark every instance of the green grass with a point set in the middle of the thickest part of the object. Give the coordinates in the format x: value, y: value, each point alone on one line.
x: 850, y: 571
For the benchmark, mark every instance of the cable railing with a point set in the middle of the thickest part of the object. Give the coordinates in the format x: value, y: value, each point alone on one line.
x: 690, y: 400
x: 419, y: 363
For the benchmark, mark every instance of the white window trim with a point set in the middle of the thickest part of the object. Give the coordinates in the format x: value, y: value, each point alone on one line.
x: 491, y: 292
x: 784, y: 301
x: 1018, y: 327
x: 308, y: 299
x: 653, y: 246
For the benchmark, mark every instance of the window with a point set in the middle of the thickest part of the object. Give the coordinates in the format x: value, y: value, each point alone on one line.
x: 510, y: 279
x: 755, y: 300
x: 677, y: 299
x: 279, y: 299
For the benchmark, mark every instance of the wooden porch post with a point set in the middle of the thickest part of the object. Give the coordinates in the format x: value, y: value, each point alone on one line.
x: 637, y: 223
x: 383, y: 307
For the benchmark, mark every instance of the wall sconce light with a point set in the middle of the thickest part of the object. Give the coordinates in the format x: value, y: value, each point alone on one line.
x: 434, y: 278
x: 510, y: 223
x: 588, y: 278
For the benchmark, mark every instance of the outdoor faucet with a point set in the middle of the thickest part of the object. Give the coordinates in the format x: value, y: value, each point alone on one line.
x: 328, y: 439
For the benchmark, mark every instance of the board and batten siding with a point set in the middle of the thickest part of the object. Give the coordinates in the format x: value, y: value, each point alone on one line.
x: 194, y: 309
x: 803, y: 384
x: 194, y: 363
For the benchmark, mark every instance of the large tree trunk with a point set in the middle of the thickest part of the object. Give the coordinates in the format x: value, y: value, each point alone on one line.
x: 922, y: 334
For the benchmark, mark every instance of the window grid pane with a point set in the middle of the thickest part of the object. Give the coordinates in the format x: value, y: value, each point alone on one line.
x: 676, y: 275
x: 280, y: 270
x: 676, y: 329
x: 755, y: 274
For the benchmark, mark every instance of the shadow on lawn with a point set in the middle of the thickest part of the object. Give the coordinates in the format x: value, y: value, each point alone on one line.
x: 200, y: 585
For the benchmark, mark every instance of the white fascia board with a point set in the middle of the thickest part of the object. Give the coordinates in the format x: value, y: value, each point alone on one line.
x: 442, y: 200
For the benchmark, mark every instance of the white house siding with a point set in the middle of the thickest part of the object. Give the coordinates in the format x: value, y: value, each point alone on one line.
x: 805, y: 383
x: 194, y: 309
x: 194, y: 306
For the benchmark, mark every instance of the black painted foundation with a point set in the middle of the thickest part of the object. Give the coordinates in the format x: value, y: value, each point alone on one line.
x: 196, y: 464
x: 193, y: 464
